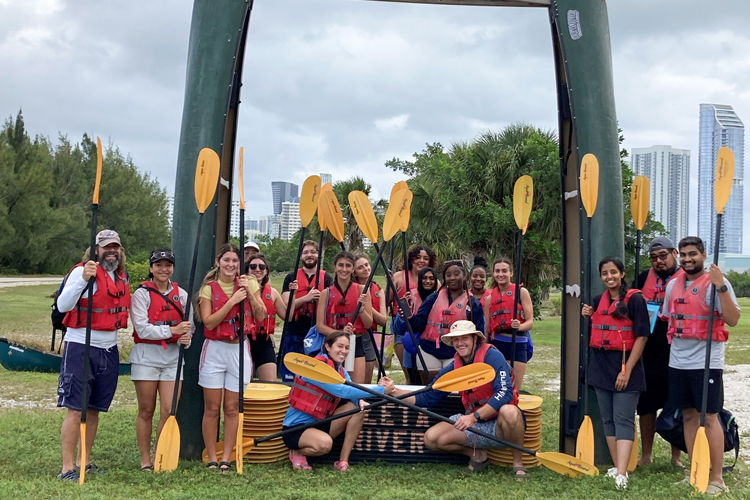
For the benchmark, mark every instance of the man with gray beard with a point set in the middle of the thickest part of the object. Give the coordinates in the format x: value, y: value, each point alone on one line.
x: 110, y: 304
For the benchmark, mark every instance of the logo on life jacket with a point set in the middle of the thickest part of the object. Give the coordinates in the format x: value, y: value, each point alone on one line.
x: 459, y: 305
x: 695, y: 290
x: 509, y: 293
x: 268, y: 296
x: 175, y: 298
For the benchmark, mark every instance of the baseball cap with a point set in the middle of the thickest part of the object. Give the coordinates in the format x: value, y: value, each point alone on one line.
x: 660, y: 243
x: 252, y: 244
x: 107, y: 236
x: 158, y: 255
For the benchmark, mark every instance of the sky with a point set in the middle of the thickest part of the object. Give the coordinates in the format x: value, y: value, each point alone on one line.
x: 342, y: 86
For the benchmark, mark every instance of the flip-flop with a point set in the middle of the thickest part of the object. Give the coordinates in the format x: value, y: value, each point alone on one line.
x: 520, y: 473
x: 475, y: 466
x: 147, y: 468
x: 299, y: 462
x: 341, y: 465
x: 716, y: 489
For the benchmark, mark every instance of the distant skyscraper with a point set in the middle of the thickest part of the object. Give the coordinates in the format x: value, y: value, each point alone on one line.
x: 290, y: 221
x: 720, y: 126
x: 283, y: 191
x: 325, y: 179
x: 668, y: 171
x: 170, y: 210
x: 234, y: 221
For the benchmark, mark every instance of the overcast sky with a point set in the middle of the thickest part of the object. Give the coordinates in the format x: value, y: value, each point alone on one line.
x: 341, y: 86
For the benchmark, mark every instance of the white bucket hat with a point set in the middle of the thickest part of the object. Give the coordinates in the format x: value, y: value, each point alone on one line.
x: 460, y: 328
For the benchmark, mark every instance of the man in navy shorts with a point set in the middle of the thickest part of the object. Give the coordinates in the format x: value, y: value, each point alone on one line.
x: 111, y: 300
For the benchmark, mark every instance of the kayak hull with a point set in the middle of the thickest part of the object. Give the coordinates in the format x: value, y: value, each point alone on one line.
x: 15, y: 357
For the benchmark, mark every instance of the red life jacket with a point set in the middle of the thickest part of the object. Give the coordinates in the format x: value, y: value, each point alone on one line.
x: 416, y: 299
x: 304, y: 286
x: 688, y: 311
x: 608, y: 332
x: 268, y: 325
x: 501, y: 309
x: 162, y: 312
x: 227, y: 329
x: 473, y: 399
x: 655, y: 287
x: 374, y: 300
x: 443, y: 314
x: 338, y: 315
x: 111, y: 301
x: 311, y: 399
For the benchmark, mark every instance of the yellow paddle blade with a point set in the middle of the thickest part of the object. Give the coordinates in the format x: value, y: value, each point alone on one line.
x: 326, y: 187
x: 566, y: 464
x: 406, y: 217
x: 700, y: 465
x: 167, y: 453
x: 397, y: 213
x: 528, y: 402
x: 330, y: 209
x: 311, y: 368
x: 239, y: 448
x: 585, y: 441
x: 242, y: 178
x: 724, y: 178
x: 206, y: 178
x: 400, y: 185
x: 465, y: 378
x: 364, y: 215
x: 82, y: 475
x: 98, y: 181
x: 639, y: 195
x: 633, y: 462
x: 247, y: 447
x: 266, y: 392
x: 589, y: 183
x: 523, y: 198
x: 308, y: 201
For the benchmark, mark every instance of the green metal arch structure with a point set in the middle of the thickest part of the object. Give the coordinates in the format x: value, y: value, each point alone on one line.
x: 587, y: 124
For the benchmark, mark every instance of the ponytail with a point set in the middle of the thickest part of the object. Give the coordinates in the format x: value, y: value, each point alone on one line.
x: 621, y: 309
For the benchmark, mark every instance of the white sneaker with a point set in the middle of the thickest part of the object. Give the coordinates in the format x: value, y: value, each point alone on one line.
x: 621, y: 481
x: 612, y: 472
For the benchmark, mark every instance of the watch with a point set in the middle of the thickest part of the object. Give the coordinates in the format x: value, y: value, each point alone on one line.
x: 476, y: 415
x: 722, y: 289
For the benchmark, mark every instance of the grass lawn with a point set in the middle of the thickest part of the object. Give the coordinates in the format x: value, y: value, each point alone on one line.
x: 30, y: 440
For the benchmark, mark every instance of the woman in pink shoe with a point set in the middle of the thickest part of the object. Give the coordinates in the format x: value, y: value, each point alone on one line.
x: 310, y: 401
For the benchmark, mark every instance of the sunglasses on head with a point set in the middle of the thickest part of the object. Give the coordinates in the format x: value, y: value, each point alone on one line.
x: 161, y: 255
x: 253, y: 267
x: 455, y: 262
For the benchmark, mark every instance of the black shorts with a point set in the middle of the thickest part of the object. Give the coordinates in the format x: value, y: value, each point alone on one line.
x: 104, y: 368
x: 262, y: 350
x: 291, y: 440
x: 686, y: 389
x: 368, y: 351
x: 657, y: 386
x: 522, y: 353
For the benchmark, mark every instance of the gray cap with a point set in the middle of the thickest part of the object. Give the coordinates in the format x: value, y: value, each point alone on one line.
x: 660, y: 243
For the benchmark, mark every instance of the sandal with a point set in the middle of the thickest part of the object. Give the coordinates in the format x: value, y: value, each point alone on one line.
x: 716, y: 489
x: 341, y: 465
x: 147, y: 468
x: 475, y: 466
x: 212, y: 465
x: 299, y: 462
x: 520, y: 473
x: 225, y: 467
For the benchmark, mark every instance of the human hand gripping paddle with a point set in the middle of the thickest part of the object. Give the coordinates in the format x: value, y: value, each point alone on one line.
x: 589, y: 189
x: 89, y: 311
x: 241, y: 335
x: 398, y: 210
x: 320, y: 371
x: 523, y: 199
x: 167, y: 453
x: 639, y: 198
x: 700, y: 463
x: 461, y: 379
x: 308, y: 205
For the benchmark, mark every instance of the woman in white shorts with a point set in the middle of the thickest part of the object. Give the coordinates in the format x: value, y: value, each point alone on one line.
x: 223, y: 289
x: 156, y: 311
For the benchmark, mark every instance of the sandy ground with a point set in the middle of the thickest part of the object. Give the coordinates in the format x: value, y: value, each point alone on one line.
x: 9, y: 282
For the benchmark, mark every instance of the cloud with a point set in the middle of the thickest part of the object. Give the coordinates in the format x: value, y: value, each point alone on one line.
x: 392, y: 123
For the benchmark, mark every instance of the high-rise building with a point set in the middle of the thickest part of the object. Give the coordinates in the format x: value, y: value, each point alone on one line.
x: 290, y: 221
x: 668, y: 171
x: 283, y: 191
x: 325, y: 179
x: 270, y: 225
x: 720, y: 126
x: 170, y: 210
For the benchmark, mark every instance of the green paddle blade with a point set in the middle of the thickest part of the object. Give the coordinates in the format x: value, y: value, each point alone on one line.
x: 589, y: 183
x: 523, y: 198
x: 639, y: 196
x: 724, y: 178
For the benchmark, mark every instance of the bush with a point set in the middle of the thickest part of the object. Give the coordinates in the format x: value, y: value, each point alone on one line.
x: 138, y: 272
x: 556, y: 301
x: 740, y: 282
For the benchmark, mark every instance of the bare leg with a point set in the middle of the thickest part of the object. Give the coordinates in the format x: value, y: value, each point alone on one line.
x: 166, y: 390
x: 519, y: 370
x: 314, y: 443
x: 715, y: 436
x: 145, y: 391
x: 352, y: 425
x: 612, y: 447
x: 210, y: 425
x: 692, y: 420
x: 648, y: 430
x: 676, y: 457
x: 369, y: 370
x: 266, y: 372
x: 399, y: 350
x: 92, y: 424
x: 358, y: 375
x: 624, y: 449
x: 510, y: 427
x: 69, y: 434
x: 231, y: 421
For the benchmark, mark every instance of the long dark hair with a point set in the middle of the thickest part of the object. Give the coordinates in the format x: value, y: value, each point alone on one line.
x: 414, y: 253
x: 423, y: 293
x: 621, y: 309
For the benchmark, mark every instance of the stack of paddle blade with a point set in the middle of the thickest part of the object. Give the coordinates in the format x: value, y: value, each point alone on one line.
x: 265, y: 407
x: 532, y: 440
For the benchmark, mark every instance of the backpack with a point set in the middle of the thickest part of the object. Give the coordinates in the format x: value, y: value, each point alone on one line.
x: 669, y: 425
x: 313, y: 342
x: 57, y: 317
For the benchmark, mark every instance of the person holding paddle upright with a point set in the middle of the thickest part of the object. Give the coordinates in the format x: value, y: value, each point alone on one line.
x: 491, y: 408
x: 219, y: 372
x: 498, y: 315
x: 157, y: 312
x: 310, y: 401
x: 653, y: 284
x: 110, y: 303
x: 362, y: 271
x: 686, y: 307
x: 336, y: 308
x: 619, y: 331
x: 308, y: 291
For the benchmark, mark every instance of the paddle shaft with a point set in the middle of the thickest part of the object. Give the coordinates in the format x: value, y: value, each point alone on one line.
x: 89, y: 312
x: 587, y: 329
x: 637, y: 254
x: 290, y: 303
x: 709, y: 336
x: 517, y: 298
x: 387, y: 271
x: 321, y: 254
x: 241, y: 333
x: 407, y: 268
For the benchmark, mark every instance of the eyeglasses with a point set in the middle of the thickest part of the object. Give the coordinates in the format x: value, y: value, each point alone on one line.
x: 662, y: 256
x: 253, y: 267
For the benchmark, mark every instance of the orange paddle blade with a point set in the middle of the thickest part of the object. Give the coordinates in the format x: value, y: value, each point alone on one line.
x: 327, y: 187
x: 700, y: 465
x: 523, y: 198
x: 329, y: 211
x: 241, y: 179
x: 589, y: 183
x: 308, y: 201
x: 84, y: 458
x: 98, y: 181
x: 633, y: 462
x: 639, y: 198
x: 724, y: 178
x: 585, y: 441
x: 400, y: 185
x: 206, y: 178
x: 364, y: 215
x: 397, y: 215
x: 167, y: 454
x: 239, y: 448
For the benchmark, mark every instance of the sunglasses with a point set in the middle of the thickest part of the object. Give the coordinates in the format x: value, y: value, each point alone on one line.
x: 456, y: 262
x: 253, y: 267
x: 161, y: 255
